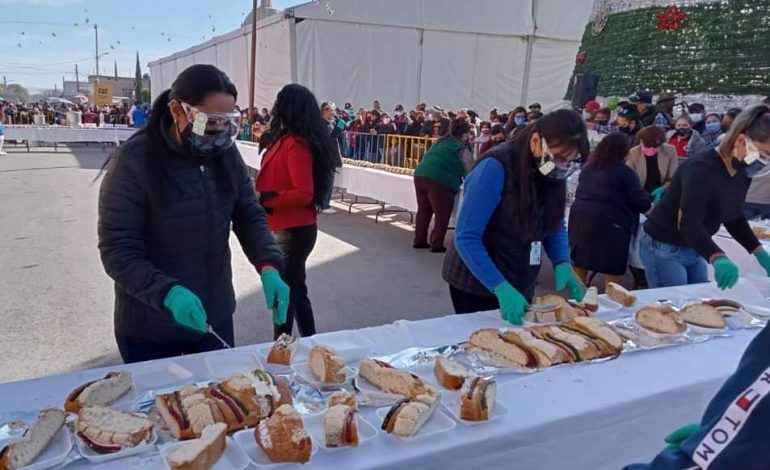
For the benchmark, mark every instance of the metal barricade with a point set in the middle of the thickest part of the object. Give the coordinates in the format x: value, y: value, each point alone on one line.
x: 365, y: 146
x: 396, y: 150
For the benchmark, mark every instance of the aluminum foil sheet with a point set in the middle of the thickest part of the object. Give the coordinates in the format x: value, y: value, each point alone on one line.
x: 637, y: 338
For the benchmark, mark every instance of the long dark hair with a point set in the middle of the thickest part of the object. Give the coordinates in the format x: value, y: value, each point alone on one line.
x: 296, y: 112
x: 191, y: 86
x: 539, y: 198
x: 610, y: 151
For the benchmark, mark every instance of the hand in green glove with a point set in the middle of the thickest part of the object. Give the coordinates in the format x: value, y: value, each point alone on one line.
x: 764, y: 260
x: 276, y: 294
x: 676, y: 438
x: 186, y: 308
x: 565, y: 278
x: 657, y: 195
x: 725, y: 272
x: 513, y: 305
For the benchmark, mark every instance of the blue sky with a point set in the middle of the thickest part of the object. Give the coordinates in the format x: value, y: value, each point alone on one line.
x: 42, y: 40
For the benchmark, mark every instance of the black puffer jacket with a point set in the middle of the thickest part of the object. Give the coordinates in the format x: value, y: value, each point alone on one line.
x: 164, y: 219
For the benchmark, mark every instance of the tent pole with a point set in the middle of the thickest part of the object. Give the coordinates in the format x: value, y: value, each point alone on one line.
x: 252, y: 72
x: 528, y: 57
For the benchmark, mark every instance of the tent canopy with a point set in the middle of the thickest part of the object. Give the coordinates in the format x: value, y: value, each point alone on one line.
x: 454, y: 53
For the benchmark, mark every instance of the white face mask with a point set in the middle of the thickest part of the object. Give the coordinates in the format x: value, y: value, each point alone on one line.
x: 386, y: 121
x: 696, y: 118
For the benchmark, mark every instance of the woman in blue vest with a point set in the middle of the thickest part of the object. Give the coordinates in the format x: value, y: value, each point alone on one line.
x: 513, y: 210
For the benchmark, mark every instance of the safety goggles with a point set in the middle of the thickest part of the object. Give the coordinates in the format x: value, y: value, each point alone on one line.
x: 212, y: 123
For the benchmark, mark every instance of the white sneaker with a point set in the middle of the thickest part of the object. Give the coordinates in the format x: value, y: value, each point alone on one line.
x: 330, y: 210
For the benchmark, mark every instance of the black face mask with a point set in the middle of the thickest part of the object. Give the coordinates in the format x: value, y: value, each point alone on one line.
x: 624, y: 129
x: 685, y: 132
x: 602, y: 123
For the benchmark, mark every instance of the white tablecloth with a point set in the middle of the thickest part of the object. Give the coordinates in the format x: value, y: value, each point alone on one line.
x: 595, y: 416
x: 390, y: 188
x: 68, y: 134
x: 738, y: 254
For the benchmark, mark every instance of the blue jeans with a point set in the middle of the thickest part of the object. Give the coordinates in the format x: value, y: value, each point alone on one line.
x: 327, y: 202
x: 669, y: 265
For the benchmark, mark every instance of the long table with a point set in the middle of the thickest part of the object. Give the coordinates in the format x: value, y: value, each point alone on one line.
x: 585, y: 416
x: 58, y: 135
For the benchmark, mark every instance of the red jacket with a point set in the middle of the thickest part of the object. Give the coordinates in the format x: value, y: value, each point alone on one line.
x: 287, y: 169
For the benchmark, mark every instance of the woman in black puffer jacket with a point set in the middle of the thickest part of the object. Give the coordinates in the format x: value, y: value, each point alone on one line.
x: 167, y: 202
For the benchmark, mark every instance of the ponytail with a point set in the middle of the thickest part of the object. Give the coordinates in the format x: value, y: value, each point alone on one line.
x: 160, y: 111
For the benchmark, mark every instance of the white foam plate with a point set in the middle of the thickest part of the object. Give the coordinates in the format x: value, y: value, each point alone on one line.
x: 304, y: 372
x: 232, y: 459
x: 756, y: 310
x: 351, y: 345
x: 226, y: 363
x: 55, y: 453
x: 606, y: 304
x: 159, y: 374
x: 248, y: 445
x: 95, y: 457
x: 315, y: 426
x: 263, y: 351
x: 437, y: 424
x: 451, y: 401
x: 367, y: 388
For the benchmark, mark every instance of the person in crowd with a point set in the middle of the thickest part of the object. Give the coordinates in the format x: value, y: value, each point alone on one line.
x: 687, y: 142
x: 654, y: 161
x: 437, y: 180
x: 422, y: 107
x: 728, y: 117
x: 733, y: 428
x: 520, y: 116
x: 533, y: 116
x: 628, y: 123
x: 436, y: 124
x: 265, y: 116
x: 336, y: 128
x: 473, y: 119
x: 496, y: 137
x: 139, y: 117
x: 697, y: 112
x: 601, y: 122
x: 483, y: 137
x: 643, y: 102
x: 590, y: 110
x: 2, y: 137
x: 376, y: 106
x: 400, y: 119
x: 493, y: 115
x: 757, y: 204
x: 708, y: 191
x: 535, y: 108
x: 712, y: 129
x: 168, y: 200
x: 665, y: 111
x: 605, y: 214
x: 292, y: 183
x: 415, y: 127
x: 513, y: 208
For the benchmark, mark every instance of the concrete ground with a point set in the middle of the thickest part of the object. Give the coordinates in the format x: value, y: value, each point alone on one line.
x: 56, y: 301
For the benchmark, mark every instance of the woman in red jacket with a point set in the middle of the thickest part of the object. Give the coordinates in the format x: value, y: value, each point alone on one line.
x: 295, y: 174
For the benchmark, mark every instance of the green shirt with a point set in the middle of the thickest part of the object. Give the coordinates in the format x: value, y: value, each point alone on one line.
x: 442, y: 164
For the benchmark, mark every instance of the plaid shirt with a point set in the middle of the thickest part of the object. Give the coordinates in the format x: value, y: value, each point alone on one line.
x: 662, y: 121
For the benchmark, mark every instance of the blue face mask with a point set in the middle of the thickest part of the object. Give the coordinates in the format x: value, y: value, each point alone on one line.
x: 520, y: 120
x: 713, y: 127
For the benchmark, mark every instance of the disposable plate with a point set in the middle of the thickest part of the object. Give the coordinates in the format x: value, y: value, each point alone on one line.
x: 95, y: 457
x: 351, y: 345
x: 55, y: 453
x: 304, y: 372
x: 226, y: 363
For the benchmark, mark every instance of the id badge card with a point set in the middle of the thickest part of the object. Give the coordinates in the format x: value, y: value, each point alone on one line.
x: 535, y: 253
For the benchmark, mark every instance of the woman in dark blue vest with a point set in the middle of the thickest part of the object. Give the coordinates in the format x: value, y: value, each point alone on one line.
x: 513, y: 210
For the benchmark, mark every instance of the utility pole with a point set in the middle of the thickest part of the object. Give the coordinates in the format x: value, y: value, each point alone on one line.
x: 77, y: 79
x: 253, y: 71
x: 96, y: 36
x: 5, y: 82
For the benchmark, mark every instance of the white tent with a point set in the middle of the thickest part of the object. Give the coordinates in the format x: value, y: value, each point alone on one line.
x: 453, y: 53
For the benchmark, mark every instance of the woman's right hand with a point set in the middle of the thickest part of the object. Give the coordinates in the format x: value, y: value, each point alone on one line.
x: 513, y: 305
x: 186, y: 308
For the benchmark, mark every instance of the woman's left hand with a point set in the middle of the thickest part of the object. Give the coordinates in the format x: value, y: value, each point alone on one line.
x: 764, y: 260
x: 565, y: 278
x: 276, y: 294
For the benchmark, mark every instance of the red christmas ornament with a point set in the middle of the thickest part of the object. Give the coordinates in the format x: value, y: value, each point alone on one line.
x: 671, y: 19
x: 581, y: 57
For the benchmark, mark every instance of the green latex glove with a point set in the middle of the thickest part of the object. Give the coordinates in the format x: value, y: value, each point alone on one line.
x: 186, y: 308
x: 725, y: 272
x: 657, y: 195
x: 764, y: 260
x: 513, y: 305
x: 276, y: 295
x: 676, y: 438
x: 565, y: 278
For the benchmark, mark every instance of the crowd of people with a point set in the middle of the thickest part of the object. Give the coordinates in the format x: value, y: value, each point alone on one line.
x: 55, y: 112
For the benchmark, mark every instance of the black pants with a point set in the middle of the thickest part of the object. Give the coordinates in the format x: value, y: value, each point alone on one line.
x: 297, y: 243
x: 137, y: 350
x: 464, y: 302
